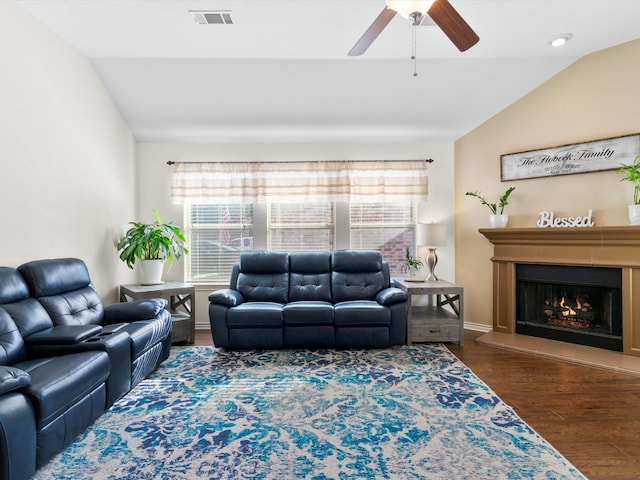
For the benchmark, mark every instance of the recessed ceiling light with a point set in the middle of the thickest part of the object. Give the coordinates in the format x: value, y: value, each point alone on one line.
x: 560, y: 40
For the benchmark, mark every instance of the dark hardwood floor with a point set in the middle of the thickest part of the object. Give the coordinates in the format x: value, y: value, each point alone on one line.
x: 589, y: 415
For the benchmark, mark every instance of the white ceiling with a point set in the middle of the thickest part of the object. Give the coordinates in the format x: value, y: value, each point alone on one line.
x: 281, y: 71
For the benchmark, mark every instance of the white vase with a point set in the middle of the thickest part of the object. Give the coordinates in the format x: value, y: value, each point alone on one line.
x: 634, y: 214
x: 152, y: 271
x: 499, y: 221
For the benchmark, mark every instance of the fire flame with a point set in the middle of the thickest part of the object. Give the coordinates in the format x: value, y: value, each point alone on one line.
x: 567, y: 309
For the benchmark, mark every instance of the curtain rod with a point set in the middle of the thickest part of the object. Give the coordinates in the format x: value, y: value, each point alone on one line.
x: 171, y: 162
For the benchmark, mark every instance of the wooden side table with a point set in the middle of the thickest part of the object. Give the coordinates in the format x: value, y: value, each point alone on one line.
x: 434, y: 323
x: 181, y: 298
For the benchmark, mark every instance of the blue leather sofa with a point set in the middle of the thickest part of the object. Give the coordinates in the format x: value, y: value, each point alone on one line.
x: 65, y: 358
x: 309, y: 300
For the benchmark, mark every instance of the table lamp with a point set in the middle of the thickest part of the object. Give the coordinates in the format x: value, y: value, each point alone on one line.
x: 432, y: 235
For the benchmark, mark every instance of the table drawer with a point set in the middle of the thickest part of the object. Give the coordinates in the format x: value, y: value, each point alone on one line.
x: 436, y: 333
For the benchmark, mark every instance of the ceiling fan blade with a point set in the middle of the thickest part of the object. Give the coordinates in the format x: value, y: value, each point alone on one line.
x: 372, y: 32
x: 453, y: 25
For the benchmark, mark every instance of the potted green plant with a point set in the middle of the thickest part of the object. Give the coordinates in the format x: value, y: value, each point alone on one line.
x: 411, y: 265
x: 152, y: 244
x: 631, y: 174
x: 497, y: 218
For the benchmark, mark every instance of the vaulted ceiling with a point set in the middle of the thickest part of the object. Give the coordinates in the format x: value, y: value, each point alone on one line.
x: 281, y: 72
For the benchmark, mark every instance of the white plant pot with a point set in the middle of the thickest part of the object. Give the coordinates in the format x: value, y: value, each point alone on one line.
x: 152, y: 272
x: 634, y: 214
x: 499, y: 221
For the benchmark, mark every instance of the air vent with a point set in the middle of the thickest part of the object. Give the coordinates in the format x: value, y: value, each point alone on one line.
x: 222, y: 17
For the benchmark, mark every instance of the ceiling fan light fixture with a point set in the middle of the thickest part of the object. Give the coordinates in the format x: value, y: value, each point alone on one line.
x: 560, y: 40
x: 408, y: 7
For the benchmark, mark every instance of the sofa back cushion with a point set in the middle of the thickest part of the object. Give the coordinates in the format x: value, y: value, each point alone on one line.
x: 264, y: 276
x: 12, y: 348
x: 310, y: 276
x: 27, y: 313
x: 13, y: 290
x: 356, y: 275
x: 63, y: 287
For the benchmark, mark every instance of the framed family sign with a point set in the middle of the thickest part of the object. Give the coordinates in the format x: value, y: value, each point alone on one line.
x: 597, y: 155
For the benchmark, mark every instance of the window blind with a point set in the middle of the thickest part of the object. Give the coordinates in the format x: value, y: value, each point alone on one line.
x: 217, y: 235
x: 301, y: 227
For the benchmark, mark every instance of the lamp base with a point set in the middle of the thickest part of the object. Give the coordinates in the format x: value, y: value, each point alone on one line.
x: 432, y: 260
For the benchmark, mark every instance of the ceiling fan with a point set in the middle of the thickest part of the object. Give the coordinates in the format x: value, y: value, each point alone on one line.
x: 440, y: 11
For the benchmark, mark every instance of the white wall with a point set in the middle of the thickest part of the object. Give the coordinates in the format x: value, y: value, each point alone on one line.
x: 154, y: 182
x: 68, y: 159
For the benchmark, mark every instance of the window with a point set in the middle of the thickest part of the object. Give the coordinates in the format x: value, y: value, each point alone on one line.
x: 295, y: 227
x: 217, y: 234
x: 387, y: 227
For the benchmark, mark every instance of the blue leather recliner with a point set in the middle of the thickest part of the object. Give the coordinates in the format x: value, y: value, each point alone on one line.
x: 65, y: 358
x: 63, y: 287
x: 309, y: 300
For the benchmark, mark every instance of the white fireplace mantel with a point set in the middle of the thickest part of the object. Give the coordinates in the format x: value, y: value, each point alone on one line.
x: 593, y: 246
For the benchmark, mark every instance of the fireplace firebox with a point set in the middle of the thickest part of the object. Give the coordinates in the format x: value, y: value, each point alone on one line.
x: 570, y: 303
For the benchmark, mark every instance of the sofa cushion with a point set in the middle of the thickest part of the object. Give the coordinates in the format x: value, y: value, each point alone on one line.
x: 308, y: 313
x: 12, y: 286
x: 78, y: 307
x: 262, y: 261
x: 361, y: 313
x: 357, y: 275
x: 12, y: 347
x: 310, y: 276
x: 29, y: 315
x: 255, y: 314
x: 264, y: 276
x: 58, y: 383
x: 51, y: 277
x: 356, y: 261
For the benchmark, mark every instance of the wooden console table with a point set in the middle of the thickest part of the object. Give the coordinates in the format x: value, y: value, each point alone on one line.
x: 181, y: 298
x: 434, y: 323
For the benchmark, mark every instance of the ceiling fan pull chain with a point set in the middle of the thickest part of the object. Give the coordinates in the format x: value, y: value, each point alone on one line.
x: 413, y: 50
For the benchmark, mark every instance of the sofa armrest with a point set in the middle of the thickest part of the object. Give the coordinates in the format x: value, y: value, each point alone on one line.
x: 127, y: 312
x: 227, y: 297
x: 63, y: 335
x: 12, y: 378
x: 391, y: 296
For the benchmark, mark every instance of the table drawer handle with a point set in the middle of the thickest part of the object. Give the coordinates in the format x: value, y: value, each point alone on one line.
x: 435, y: 331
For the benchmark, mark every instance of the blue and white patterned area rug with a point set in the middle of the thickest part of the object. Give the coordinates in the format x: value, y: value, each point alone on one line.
x: 402, y: 413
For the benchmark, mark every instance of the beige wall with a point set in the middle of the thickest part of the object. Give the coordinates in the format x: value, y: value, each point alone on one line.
x: 596, y: 97
x: 155, y: 182
x: 68, y: 158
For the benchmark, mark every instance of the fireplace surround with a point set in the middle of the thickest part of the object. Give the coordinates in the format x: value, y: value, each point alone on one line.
x: 611, y: 247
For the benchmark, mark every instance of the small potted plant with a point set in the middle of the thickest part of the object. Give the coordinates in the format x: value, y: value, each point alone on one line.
x: 498, y: 218
x: 631, y: 174
x: 411, y: 265
x: 152, y: 244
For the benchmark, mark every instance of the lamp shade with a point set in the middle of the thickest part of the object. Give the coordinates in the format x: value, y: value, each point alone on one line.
x: 432, y: 234
x: 407, y: 7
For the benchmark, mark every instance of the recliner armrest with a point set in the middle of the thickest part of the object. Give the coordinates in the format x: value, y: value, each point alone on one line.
x: 227, y: 297
x: 63, y: 335
x: 127, y: 312
x: 12, y: 378
x: 390, y: 296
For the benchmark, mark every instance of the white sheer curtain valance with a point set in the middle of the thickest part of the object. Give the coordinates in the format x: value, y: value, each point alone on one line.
x: 286, y: 182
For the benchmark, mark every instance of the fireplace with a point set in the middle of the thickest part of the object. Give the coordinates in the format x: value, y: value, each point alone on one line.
x: 615, y: 247
x: 570, y: 303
